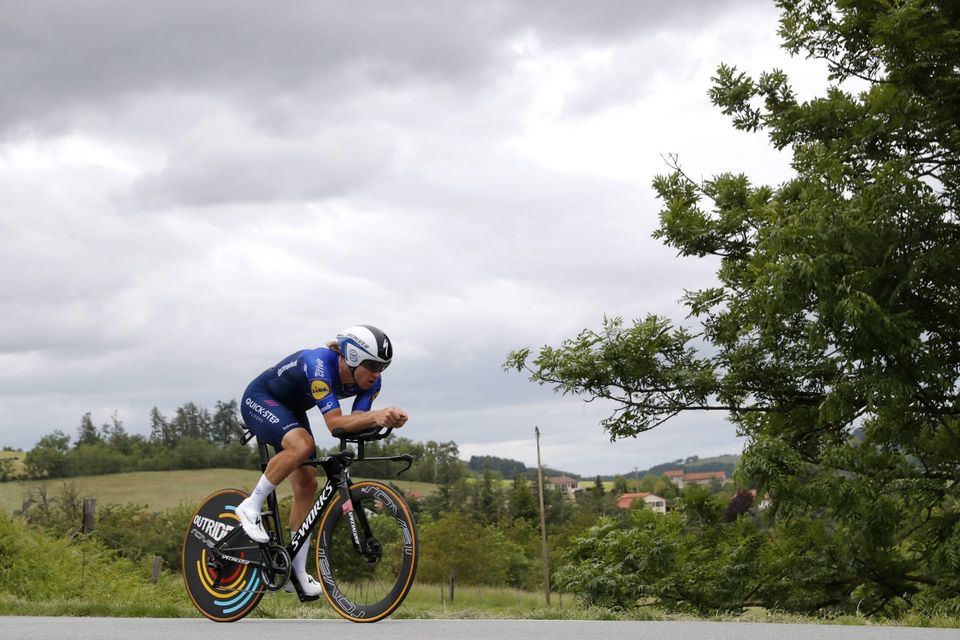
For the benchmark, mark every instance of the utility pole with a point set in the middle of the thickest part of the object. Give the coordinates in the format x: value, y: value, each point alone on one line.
x: 543, y: 524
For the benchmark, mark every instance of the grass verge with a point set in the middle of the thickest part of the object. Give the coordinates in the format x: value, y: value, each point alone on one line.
x: 41, y: 575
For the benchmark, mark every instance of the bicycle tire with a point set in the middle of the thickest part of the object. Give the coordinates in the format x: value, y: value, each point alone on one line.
x: 358, y: 590
x: 242, y: 586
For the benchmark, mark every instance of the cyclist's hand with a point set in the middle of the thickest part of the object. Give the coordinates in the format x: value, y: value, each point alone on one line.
x: 391, y: 417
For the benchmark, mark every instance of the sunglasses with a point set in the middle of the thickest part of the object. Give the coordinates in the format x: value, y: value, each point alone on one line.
x: 374, y: 366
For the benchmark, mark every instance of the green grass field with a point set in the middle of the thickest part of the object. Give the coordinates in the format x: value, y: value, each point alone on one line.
x: 157, y: 490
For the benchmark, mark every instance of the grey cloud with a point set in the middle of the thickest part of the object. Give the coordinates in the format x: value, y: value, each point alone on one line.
x: 61, y: 57
x: 243, y: 167
x: 307, y: 166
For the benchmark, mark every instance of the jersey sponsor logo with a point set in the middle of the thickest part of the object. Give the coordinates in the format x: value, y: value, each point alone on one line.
x: 327, y: 406
x: 284, y: 368
x: 259, y: 409
x: 319, y: 389
x: 319, y: 371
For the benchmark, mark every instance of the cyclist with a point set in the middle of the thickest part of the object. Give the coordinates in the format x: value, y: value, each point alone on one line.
x: 274, y: 408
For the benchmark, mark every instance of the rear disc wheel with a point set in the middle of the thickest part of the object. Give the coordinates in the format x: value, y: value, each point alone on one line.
x: 221, y: 589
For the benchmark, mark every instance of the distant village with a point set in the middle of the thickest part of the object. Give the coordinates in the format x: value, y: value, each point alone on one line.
x: 570, y: 487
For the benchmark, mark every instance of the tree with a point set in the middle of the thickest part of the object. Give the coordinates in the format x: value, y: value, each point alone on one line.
x: 832, y: 339
x: 597, y: 498
x: 699, y: 566
x: 160, y: 429
x: 116, y: 437
x: 740, y: 504
x: 192, y: 421
x: 6, y: 469
x: 49, y: 457
x: 507, y: 467
x: 226, y: 426
x: 598, y: 490
x: 620, y: 484
x: 440, y: 463
x: 522, y: 501
x: 87, y: 433
x: 488, y: 498
x: 478, y: 554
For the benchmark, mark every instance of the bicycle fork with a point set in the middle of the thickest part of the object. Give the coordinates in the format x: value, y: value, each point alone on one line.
x: 363, y: 540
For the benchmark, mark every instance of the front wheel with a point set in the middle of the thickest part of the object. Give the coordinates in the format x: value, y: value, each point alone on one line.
x: 369, y: 584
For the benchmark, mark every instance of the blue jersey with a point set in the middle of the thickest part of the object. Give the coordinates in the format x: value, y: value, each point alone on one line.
x: 312, y: 377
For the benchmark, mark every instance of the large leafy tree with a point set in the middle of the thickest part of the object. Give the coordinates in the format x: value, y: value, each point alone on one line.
x: 832, y: 336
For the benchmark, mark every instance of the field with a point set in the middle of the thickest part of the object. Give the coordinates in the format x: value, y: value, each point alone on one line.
x: 17, y: 459
x: 157, y: 490
x: 122, y: 588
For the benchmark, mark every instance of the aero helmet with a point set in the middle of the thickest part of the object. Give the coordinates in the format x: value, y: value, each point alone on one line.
x: 363, y: 344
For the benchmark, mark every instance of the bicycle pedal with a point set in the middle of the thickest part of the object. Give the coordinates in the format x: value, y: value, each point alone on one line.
x: 304, y: 598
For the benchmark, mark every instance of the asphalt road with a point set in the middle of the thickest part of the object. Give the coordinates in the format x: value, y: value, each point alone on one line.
x: 24, y: 628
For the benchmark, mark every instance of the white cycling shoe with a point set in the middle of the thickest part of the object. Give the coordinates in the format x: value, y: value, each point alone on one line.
x: 251, y: 523
x: 308, y: 585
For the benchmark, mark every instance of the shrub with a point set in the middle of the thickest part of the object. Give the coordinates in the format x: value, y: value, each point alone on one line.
x: 38, y: 566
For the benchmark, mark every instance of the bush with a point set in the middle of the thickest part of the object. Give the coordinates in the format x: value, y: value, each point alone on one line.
x: 130, y: 531
x: 133, y: 532
x: 38, y: 566
x: 60, y: 515
x: 662, y: 557
x: 480, y: 555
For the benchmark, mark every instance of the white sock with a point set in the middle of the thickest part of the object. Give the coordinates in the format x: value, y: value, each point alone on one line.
x: 260, y: 493
x: 300, y: 560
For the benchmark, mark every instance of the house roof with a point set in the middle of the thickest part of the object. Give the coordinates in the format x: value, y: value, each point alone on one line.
x: 626, y: 499
x: 561, y: 480
x: 673, y: 473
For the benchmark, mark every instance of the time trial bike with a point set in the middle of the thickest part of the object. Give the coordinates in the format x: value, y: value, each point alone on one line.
x: 366, y: 546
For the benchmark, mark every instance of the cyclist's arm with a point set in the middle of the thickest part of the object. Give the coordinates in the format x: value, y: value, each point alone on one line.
x: 360, y: 420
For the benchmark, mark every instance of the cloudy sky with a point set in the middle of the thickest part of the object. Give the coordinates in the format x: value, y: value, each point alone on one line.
x: 191, y: 191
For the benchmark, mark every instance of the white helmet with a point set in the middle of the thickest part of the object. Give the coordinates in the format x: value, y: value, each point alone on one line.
x: 366, y: 345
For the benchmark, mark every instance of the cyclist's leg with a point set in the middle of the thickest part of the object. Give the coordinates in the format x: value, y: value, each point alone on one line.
x: 278, y: 426
x: 303, y: 481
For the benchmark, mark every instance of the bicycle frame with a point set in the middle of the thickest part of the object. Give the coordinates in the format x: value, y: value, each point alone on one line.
x: 338, y: 482
x: 226, y: 574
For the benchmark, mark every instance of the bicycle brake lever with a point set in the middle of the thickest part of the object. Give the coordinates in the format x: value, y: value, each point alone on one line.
x: 408, y: 458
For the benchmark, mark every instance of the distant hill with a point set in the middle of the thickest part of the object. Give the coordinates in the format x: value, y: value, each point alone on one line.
x: 505, y: 466
x: 725, y: 463
x: 508, y: 468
